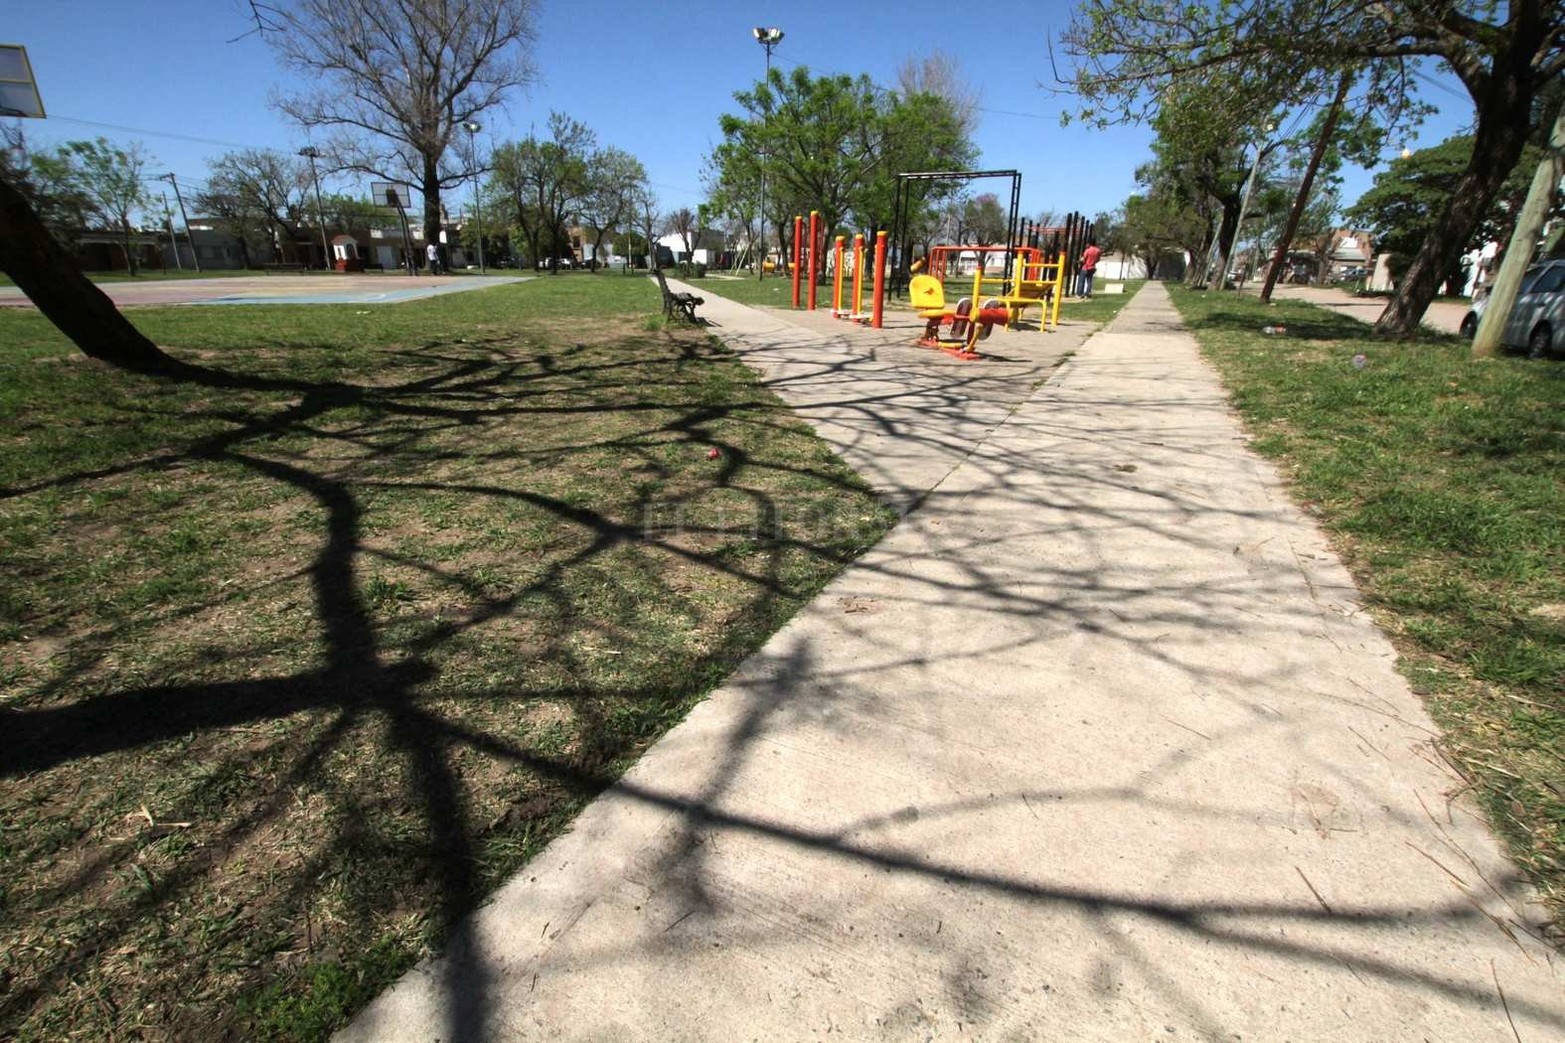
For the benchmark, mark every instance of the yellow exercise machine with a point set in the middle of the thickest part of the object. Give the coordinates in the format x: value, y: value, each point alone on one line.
x: 967, y: 328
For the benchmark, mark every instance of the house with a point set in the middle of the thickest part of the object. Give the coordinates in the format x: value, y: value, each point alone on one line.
x: 1350, y: 255
x: 206, y: 240
x: 709, y: 244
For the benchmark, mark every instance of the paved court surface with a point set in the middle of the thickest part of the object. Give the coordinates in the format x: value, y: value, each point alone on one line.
x: 1445, y: 316
x: 1097, y: 744
x: 282, y: 289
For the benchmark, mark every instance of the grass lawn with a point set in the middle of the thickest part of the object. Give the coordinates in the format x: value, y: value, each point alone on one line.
x: 300, y: 659
x: 1442, y: 481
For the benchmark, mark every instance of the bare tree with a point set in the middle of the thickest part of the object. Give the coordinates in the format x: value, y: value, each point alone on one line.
x: 647, y: 212
x: 941, y: 74
x: 684, y: 223
x: 398, y: 78
x: 259, y: 189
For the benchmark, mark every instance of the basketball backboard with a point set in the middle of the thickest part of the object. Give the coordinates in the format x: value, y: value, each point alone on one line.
x: 389, y: 193
x: 18, y: 89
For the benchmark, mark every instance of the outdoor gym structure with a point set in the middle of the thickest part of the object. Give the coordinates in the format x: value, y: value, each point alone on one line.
x: 1031, y: 278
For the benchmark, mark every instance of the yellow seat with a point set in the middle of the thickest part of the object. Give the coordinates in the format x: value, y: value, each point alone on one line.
x: 925, y: 294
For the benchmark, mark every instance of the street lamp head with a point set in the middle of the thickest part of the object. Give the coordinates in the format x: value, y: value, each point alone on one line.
x: 310, y: 152
x: 767, y: 36
x: 472, y: 126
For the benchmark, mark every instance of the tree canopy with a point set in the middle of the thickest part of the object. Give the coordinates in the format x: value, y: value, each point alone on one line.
x: 1402, y: 207
x: 831, y: 143
x: 258, y: 196
x: 1130, y: 51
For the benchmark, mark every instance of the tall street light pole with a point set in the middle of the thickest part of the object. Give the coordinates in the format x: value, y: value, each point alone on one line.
x: 312, y: 153
x: 473, y: 127
x: 195, y: 255
x: 767, y: 37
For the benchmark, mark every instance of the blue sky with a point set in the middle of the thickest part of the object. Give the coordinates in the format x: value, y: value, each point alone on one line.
x: 650, y: 76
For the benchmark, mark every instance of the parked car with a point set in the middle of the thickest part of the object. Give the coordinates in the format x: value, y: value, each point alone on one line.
x: 1537, y: 320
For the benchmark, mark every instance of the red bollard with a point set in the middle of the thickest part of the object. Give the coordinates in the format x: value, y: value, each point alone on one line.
x: 798, y: 233
x: 815, y: 230
x: 880, y: 280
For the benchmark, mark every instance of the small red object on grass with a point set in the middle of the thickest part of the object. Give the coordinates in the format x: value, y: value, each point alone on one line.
x: 713, y: 453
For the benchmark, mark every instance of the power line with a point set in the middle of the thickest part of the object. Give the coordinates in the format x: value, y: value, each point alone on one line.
x: 152, y: 133
x: 1024, y: 115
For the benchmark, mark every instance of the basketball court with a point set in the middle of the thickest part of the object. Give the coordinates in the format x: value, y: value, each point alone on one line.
x: 282, y: 289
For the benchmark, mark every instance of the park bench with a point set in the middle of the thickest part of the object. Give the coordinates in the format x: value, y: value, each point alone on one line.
x: 285, y: 266
x: 678, y: 305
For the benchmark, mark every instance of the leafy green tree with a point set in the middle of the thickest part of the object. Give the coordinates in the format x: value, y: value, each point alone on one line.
x: 1161, y: 222
x: 48, y: 274
x: 350, y: 213
x: 833, y: 144
x: 51, y: 185
x: 616, y: 178
x: 1131, y: 51
x: 110, y: 180
x: 548, y: 181
x: 1403, y: 206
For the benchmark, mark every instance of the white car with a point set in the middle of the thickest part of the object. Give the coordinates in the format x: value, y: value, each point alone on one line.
x: 1537, y: 320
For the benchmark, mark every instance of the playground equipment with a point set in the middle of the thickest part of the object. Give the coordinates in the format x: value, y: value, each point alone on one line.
x: 907, y: 184
x: 858, y: 313
x: 1033, y: 281
x: 815, y: 238
x: 798, y: 246
x: 837, y: 310
x: 967, y: 327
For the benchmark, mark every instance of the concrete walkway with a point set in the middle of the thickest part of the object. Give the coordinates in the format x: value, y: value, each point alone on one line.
x: 1096, y: 744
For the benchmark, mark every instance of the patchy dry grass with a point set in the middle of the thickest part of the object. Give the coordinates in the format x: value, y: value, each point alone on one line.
x: 300, y: 659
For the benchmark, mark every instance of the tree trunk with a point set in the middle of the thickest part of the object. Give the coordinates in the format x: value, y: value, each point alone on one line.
x: 130, y: 260
x: 1498, y: 140
x: 1303, y: 198
x: 1227, y: 233
x: 431, y: 189
x: 53, y: 282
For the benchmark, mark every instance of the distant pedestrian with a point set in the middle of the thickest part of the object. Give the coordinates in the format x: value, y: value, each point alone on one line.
x: 433, y: 253
x: 1089, y: 268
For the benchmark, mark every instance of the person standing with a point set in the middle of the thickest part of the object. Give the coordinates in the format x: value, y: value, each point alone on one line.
x: 1089, y: 268
x: 433, y: 253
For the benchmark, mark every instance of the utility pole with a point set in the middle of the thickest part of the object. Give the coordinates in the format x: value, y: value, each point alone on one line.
x: 473, y: 127
x: 195, y: 254
x: 312, y: 153
x: 1518, y: 252
x: 1262, y: 151
x: 767, y: 38
x: 173, y: 239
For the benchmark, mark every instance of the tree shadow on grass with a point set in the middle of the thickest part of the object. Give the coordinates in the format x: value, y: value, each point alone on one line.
x: 337, y: 445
